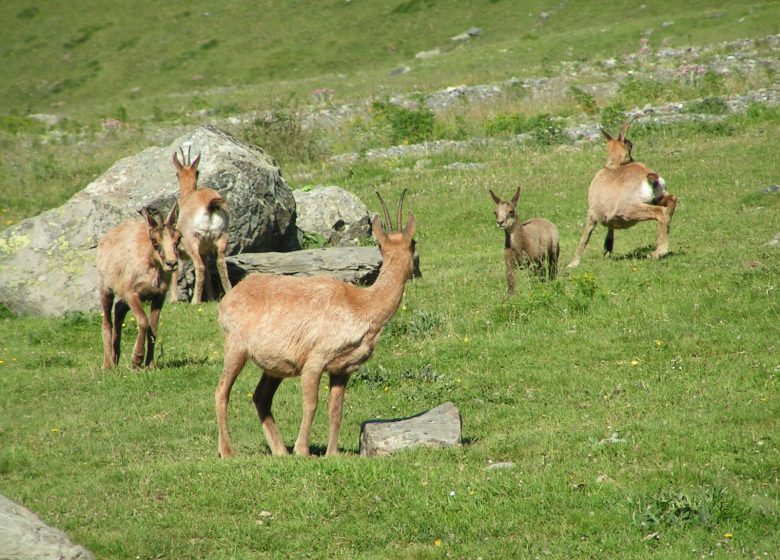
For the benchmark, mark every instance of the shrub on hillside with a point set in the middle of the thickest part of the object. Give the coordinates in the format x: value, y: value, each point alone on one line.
x: 281, y: 133
x: 407, y: 126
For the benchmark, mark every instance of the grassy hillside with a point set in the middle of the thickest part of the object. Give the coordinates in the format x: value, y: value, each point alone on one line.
x: 636, y: 399
x: 91, y: 61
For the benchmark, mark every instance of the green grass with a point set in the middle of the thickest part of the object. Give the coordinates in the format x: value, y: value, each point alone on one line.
x: 678, y: 357
x: 638, y: 400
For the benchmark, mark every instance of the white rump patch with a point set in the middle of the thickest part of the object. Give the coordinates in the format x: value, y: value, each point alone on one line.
x: 210, y: 226
x: 649, y: 192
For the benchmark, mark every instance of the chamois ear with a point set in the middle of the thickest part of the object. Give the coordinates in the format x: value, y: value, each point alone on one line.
x: 173, y: 215
x: 516, y: 197
x: 378, y: 231
x: 194, y: 165
x: 411, y: 227
x: 606, y: 134
x: 176, y: 163
x: 496, y: 199
x: 624, y: 129
x: 151, y: 220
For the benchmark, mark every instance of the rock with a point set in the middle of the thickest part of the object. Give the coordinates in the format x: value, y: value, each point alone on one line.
x: 400, y: 70
x: 499, y: 466
x: 771, y: 189
x: 460, y: 37
x: 45, y: 118
x: 422, y: 55
x: 47, y: 263
x: 439, y: 427
x: 474, y: 31
x: 335, y: 214
x: 23, y: 536
x: 356, y: 265
x: 775, y: 242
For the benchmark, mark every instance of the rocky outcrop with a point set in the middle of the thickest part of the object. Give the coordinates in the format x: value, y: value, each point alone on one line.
x: 356, y: 265
x: 336, y: 215
x: 439, y: 427
x: 23, y: 536
x: 47, y: 263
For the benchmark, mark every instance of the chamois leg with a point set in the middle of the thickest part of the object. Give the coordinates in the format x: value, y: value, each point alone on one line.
x: 151, y: 334
x: 338, y: 385
x: 511, y: 265
x: 310, y: 383
x: 106, y: 303
x: 193, y: 250
x: 207, y: 279
x: 173, y: 291
x: 263, y: 399
x: 659, y: 214
x: 552, y: 262
x: 670, y: 202
x: 589, y: 227
x: 134, y: 301
x: 221, y: 265
x: 609, y: 240
x: 120, y: 312
x: 235, y: 359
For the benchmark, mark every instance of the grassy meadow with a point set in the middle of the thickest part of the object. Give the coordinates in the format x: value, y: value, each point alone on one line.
x: 636, y: 399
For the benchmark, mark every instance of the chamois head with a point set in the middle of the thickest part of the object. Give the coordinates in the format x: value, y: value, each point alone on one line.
x: 186, y: 170
x: 619, y: 149
x: 394, y: 241
x: 164, y: 236
x: 506, y: 213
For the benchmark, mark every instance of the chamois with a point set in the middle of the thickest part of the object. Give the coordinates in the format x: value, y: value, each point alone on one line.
x: 532, y: 242
x: 135, y: 262
x: 623, y: 193
x: 203, y: 223
x: 302, y: 327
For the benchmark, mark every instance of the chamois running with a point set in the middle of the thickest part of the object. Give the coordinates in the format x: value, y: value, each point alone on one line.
x: 135, y: 262
x: 302, y: 327
x: 533, y: 242
x: 623, y: 193
x: 203, y: 223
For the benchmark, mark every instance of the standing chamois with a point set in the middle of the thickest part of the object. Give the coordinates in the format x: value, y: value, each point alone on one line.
x: 203, y: 223
x: 302, y: 327
x: 135, y: 262
x: 623, y: 193
x: 532, y: 242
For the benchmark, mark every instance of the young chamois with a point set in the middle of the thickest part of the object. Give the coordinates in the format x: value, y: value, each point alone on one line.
x: 532, y: 242
x: 623, y: 193
x: 302, y: 327
x: 135, y: 261
x: 203, y: 223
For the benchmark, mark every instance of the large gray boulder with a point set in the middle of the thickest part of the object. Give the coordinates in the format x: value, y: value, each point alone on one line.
x: 23, y: 536
x: 337, y: 215
x: 47, y: 263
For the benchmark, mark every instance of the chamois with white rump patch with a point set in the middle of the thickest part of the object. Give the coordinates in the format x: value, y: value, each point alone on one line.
x: 623, y: 193
x: 301, y: 327
x: 534, y: 242
x: 203, y: 223
x: 135, y: 263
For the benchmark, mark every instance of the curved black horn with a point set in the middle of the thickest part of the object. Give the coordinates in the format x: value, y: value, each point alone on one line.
x: 388, y: 222
x: 399, y: 215
x: 183, y: 159
x: 189, y: 154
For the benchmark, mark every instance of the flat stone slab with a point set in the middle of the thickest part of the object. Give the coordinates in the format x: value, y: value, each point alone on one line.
x: 439, y: 427
x: 23, y: 536
x: 356, y: 265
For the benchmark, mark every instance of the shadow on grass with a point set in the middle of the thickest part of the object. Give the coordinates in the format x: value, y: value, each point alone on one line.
x: 181, y: 362
x: 642, y: 253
